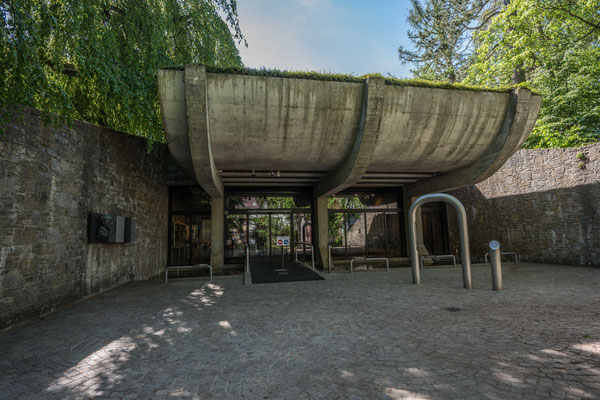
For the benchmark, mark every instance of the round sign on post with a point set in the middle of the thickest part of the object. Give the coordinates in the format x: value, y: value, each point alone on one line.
x: 495, y: 256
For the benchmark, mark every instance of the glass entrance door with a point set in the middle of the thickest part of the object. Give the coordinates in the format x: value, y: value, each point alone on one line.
x: 258, y: 235
x: 190, y: 239
x: 260, y: 230
x: 302, y: 234
x: 200, y: 230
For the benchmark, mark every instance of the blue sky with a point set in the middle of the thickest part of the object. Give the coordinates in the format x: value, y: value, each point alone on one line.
x: 345, y: 36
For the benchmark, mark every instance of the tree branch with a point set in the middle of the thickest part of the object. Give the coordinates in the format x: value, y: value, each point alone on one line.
x: 569, y: 12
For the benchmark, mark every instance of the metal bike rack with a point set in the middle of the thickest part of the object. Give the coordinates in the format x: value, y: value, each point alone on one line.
x: 504, y: 253
x: 387, y: 262
x: 462, y: 228
x: 436, y: 257
x: 312, y: 252
x: 188, y: 267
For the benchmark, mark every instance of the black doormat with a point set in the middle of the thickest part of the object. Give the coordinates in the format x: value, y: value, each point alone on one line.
x: 270, y: 272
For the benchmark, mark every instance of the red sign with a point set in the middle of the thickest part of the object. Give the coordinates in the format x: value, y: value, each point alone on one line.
x: 279, y: 242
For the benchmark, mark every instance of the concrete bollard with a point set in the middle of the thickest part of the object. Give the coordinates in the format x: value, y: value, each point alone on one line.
x: 496, y: 265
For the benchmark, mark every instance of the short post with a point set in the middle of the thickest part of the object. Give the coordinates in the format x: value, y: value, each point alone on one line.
x: 496, y: 265
x: 312, y: 255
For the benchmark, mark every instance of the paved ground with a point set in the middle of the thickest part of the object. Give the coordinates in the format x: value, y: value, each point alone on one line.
x: 368, y: 335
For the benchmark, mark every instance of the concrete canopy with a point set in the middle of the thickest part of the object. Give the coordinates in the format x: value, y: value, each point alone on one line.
x: 229, y: 130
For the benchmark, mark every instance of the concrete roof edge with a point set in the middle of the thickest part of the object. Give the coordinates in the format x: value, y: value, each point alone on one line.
x: 335, y: 77
x: 521, y: 113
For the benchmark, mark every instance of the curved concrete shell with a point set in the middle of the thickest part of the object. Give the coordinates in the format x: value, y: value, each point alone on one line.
x: 228, y: 130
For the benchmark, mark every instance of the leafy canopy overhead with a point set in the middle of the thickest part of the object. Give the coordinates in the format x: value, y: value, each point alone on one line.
x: 556, y: 43
x: 97, y: 60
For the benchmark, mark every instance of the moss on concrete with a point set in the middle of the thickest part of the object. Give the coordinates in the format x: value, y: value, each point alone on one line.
x: 359, y: 79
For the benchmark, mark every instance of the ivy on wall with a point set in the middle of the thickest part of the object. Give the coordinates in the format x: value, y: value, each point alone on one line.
x: 96, y: 61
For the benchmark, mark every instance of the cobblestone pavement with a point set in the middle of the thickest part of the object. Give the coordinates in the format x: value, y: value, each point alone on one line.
x: 370, y: 335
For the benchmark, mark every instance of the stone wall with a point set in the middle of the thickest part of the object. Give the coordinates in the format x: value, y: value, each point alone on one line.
x: 50, y: 179
x: 540, y: 204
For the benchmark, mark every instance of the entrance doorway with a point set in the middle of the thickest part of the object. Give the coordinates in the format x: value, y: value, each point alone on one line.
x: 259, y: 228
x: 435, y: 228
x: 190, y: 226
x: 190, y: 239
x: 258, y: 235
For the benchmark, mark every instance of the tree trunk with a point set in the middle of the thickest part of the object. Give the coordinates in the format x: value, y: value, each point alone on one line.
x: 518, y: 75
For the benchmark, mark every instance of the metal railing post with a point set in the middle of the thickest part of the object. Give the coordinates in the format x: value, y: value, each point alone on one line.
x: 496, y: 265
x: 329, y: 261
x: 312, y: 255
x: 247, y: 258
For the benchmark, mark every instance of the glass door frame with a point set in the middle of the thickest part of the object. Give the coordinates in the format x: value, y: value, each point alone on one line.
x: 189, y: 216
x: 364, y: 211
x: 291, y: 212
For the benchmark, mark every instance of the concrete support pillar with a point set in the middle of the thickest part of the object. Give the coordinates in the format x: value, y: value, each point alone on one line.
x: 217, y: 259
x: 320, y: 231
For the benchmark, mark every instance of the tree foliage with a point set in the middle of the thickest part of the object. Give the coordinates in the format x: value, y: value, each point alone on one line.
x: 97, y: 60
x: 440, y: 33
x: 556, y: 44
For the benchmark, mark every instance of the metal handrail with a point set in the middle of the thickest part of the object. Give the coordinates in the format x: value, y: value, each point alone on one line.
x: 387, y: 262
x: 503, y: 253
x: 312, y: 252
x: 187, y: 267
x: 435, y: 257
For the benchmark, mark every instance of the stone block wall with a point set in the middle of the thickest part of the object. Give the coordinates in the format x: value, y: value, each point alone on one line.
x: 50, y: 179
x: 540, y: 204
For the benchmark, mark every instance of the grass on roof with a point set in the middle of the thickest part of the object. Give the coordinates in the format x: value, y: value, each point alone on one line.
x: 320, y: 76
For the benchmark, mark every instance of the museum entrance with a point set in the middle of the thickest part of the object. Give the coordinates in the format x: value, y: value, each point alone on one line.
x: 261, y: 228
x: 259, y: 221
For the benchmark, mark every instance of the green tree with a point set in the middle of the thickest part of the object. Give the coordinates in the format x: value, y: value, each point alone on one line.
x: 556, y: 46
x: 440, y: 31
x: 97, y: 60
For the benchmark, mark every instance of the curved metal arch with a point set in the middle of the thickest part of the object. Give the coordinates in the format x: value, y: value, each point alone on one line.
x: 462, y: 227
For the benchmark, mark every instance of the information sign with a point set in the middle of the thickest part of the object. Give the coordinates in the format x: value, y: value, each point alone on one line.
x: 283, y: 240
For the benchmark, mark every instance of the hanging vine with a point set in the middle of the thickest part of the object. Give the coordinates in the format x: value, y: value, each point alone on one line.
x: 97, y: 60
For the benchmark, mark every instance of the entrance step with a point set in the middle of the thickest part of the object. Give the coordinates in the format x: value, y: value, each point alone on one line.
x: 264, y: 271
